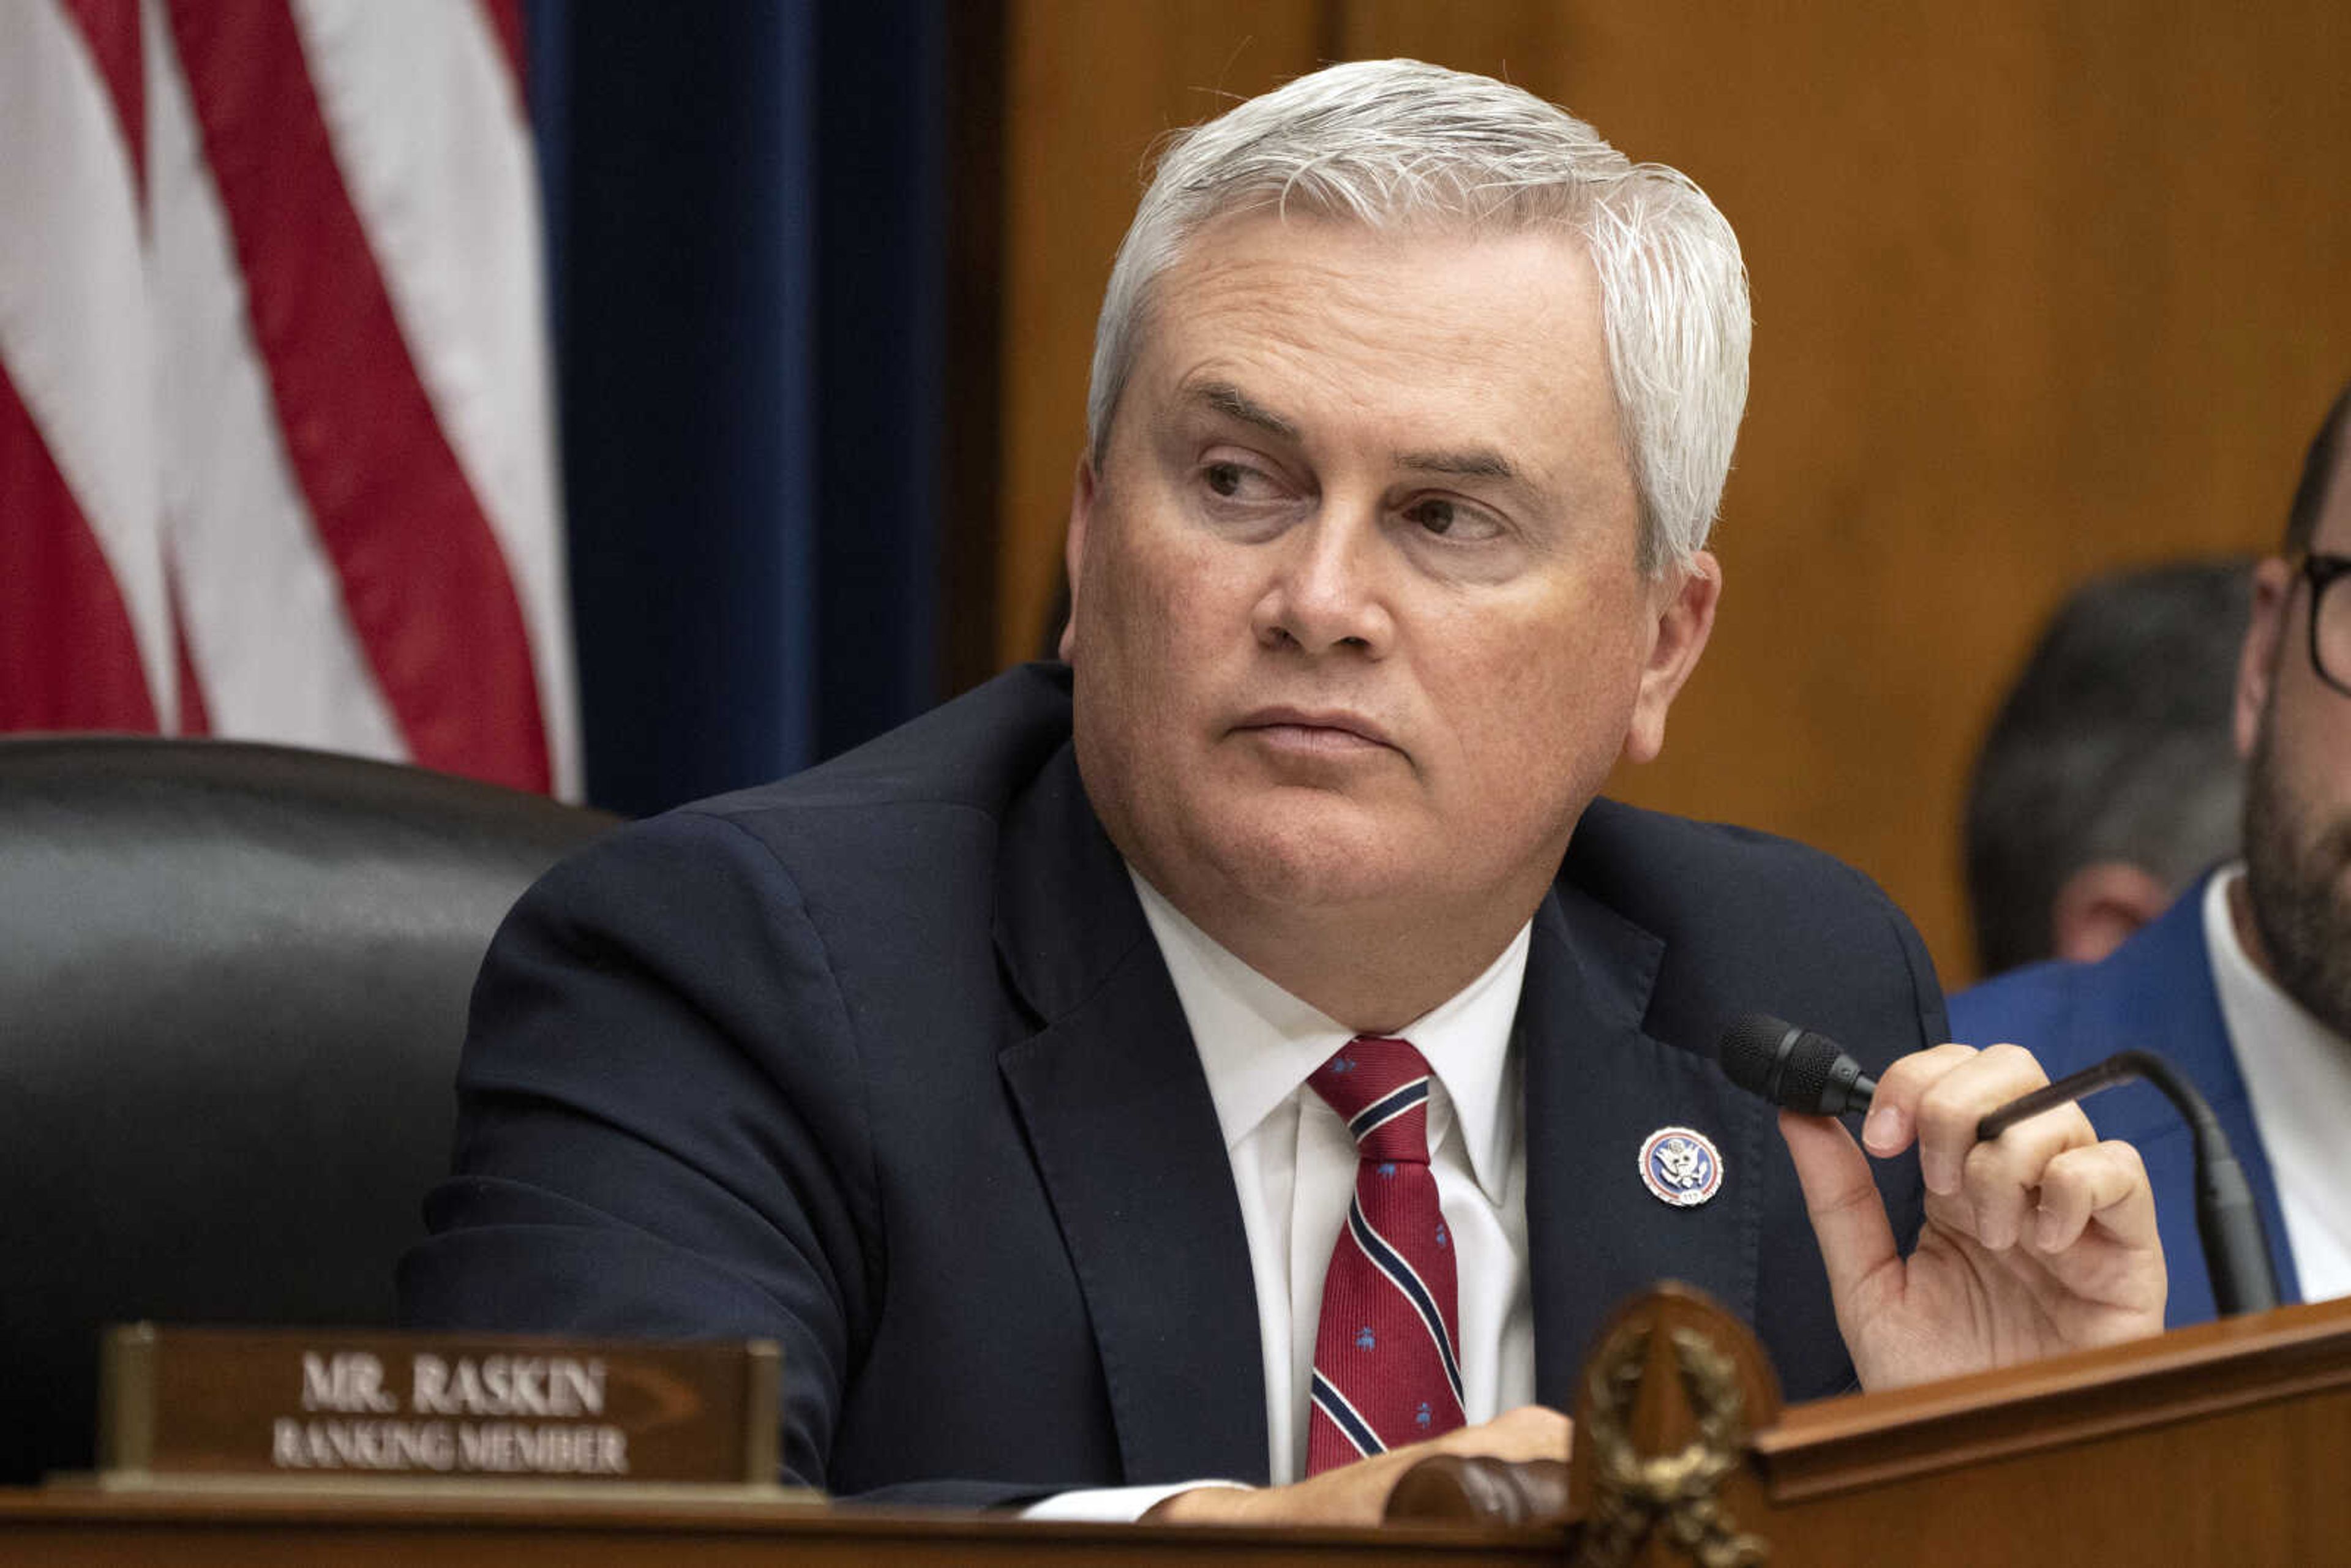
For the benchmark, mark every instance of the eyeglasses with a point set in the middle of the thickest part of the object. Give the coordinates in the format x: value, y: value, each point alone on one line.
x: 2330, y: 619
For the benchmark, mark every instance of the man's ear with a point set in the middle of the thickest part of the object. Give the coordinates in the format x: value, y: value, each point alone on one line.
x: 1073, y: 548
x: 2257, y: 660
x: 1684, y: 620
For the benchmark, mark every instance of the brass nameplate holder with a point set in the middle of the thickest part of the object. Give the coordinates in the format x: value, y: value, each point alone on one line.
x: 206, y: 1404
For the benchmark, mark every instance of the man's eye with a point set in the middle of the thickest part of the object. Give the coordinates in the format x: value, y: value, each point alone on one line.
x: 1226, y: 478
x: 1434, y: 514
x: 1458, y: 522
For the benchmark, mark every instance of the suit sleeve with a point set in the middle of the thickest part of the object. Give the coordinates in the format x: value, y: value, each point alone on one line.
x: 661, y: 1128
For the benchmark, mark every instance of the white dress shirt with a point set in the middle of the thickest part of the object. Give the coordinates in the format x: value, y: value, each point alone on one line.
x: 2297, y: 1073
x: 1294, y: 1171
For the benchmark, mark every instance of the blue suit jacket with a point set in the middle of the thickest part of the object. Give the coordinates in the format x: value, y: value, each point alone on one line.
x: 882, y: 1062
x: 2153, y: 993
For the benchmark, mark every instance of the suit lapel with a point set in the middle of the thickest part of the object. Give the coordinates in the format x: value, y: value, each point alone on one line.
x: 2157, y: 991
x: 1125, y: 1137
x: 1597, y: 1086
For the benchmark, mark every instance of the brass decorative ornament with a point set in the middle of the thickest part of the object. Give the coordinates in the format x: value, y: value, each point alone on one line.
x: 1636, y: 1493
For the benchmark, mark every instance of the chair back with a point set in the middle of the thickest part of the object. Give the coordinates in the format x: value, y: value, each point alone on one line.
x: 233, y: 987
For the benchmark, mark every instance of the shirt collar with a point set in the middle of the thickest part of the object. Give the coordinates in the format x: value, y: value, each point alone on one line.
x: 1258, y: 1043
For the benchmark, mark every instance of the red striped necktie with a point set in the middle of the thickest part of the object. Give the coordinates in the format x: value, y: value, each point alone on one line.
x: 1387, y: 1372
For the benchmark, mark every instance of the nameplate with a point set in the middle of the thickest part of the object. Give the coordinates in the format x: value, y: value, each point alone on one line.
x: 329, y: 1405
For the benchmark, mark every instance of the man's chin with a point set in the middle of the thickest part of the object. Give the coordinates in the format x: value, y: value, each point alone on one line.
x: 2306, y: 926
x: 1327, y: 858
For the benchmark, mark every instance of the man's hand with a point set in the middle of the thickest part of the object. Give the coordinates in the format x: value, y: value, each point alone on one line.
x: 2039, y: 1241
x: 1358, y: 1493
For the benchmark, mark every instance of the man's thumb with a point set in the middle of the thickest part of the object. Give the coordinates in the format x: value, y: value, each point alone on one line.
x: 1848, y: 1216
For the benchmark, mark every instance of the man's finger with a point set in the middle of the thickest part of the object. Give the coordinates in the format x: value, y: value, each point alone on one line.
x: 1950, y: 1107
x: 2105, y: 1181
x: 1848, y: 1216
x: 2002, y: 1178
x: 1893, y: 1109
x: 1529, y: 1432
x: 1357, y: 1494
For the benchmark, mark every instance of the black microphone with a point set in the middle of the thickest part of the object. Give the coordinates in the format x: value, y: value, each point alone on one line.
x: 1811, y: 1073
x: 1793, y: 1067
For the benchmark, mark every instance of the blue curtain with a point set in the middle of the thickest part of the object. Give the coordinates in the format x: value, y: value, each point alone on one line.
x: 746, y: 241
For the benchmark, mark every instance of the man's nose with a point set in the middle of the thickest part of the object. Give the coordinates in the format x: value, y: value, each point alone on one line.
x: 1327, y: 587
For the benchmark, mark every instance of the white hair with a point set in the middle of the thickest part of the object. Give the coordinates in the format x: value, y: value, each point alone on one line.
x: 1386, y: 142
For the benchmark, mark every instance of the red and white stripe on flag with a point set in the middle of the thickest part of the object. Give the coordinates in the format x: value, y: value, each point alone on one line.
x: 275, y: 446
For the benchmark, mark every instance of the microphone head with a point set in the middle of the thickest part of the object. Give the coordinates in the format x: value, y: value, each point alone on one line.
x: 1787, y: 1065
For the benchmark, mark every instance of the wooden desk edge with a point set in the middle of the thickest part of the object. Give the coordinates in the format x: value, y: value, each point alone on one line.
x: 542, y: 1507
x: 1841, y: 1445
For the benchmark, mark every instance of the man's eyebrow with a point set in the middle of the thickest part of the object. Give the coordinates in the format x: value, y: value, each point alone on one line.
x: 1476, y: 462
x: 1231, y: 401
x: 1473, y: 463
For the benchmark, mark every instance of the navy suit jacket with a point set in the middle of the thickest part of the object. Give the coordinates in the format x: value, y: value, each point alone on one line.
x: 882, y: 1062
x: 2155, y: 993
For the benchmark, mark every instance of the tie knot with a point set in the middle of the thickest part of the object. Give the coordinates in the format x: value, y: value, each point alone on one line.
x: 1380, y: 1087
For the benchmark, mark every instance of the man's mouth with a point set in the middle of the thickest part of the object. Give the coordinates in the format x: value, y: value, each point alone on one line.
x: 1334, y: 731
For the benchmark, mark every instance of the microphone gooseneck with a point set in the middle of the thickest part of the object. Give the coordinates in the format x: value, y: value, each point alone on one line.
x: 1811, y: 1073
x: 2236, y: 1250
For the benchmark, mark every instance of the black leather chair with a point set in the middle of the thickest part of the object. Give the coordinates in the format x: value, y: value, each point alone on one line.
x: 232, y: 985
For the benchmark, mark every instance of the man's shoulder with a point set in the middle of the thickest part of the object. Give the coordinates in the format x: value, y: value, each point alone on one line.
x: 2023, y: 1001
x: 1747, y: 920
x: 976, y: 752
x: 1667, y: 871
x: 912, y: 818
x: 2160, y: 979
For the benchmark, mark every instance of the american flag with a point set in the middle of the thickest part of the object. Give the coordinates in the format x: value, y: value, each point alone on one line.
x: 276, y: 442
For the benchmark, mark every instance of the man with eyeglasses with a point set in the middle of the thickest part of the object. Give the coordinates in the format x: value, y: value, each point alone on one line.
x: 2245, y: 984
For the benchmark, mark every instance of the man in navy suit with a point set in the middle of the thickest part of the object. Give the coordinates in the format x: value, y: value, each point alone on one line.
x: 2245, y: 982
x: 995, y: 1068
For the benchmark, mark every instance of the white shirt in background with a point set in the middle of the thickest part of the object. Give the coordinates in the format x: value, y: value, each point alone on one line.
x: 2297, y: 1073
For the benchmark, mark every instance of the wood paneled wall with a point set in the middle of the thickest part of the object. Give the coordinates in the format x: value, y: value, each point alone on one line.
x: 2041, y: 288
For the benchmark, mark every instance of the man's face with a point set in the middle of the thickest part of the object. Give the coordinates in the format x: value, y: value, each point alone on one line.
x: 2298, y: 788
x: 1357, y: 622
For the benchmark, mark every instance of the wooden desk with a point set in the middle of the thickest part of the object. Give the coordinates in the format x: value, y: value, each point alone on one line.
x: 78, y: 1525
x: 2223, y: 1446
